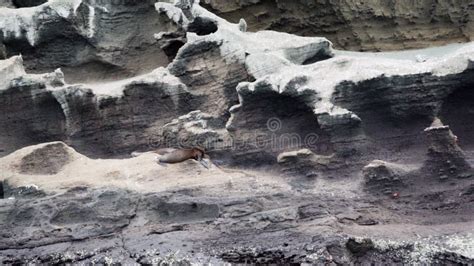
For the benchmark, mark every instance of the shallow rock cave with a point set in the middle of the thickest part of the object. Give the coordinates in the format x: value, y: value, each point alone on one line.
x: 394, y: 126
x: 457, y: 111
x: 202, y: 26
x: 106, y: 131
x: 113, y: 52
x: 270, y: 123
x: 29, y: 120
x: 320, y: 56
x: 28, y: 3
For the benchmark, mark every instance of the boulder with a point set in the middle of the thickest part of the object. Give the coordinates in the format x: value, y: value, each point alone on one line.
x: 385, y: 178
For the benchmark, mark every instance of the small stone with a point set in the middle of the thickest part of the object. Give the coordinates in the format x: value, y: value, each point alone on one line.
x: 420, y: 58
x: 312, y: 175
x: 465, y: 176
x: 443, y: 177
x: 469, y: 191
x: 359, y: 247
x: 364, y: 221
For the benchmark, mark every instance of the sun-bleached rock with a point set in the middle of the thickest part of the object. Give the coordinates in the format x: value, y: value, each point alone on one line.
x: 195, y: 129
x: 10, y: 69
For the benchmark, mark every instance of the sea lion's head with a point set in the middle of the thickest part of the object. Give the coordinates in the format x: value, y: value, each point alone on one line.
x: 198, y: 154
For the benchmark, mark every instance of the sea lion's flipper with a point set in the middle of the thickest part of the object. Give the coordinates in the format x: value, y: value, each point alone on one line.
x: 158, y: 161
x: 204, y: 163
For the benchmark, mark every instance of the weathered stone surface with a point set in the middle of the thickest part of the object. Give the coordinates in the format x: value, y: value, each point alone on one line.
x: 383, y: 177
x: 94, y: 119
x: 28, y: 3
x: 47, y: 160
x: 196, y: 129
x: 354, y: 25
x: 306, y: 163
x: 89, y: 40
x: 445, y: 157
x: 103, y: 225
x: 3, y: 51
x: 272, y: 110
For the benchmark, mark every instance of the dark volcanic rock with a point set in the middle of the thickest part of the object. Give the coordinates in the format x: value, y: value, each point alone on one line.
x: 305, y: 162
x: 273, y: 110
x: 383, y: 177
x: 211, y: 75
x: 359, y: 247
x: 23, y: 192
x: 445, y: 157
x: 355, y: 25
x: 47, y: 160
x: 3, y: 51
x: 102, y: 225
x: 89, y: 40
x: 75, y: 215
x: 106, y: 119
x: 28, y: 3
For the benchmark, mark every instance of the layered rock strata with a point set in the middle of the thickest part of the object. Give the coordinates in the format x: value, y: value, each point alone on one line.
x: 89, y: 40
x: 289, y: 124
x: 356, y: 25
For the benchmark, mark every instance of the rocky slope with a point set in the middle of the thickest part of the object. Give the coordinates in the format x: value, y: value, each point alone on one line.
x: 317, y: 155
x: 372, y: 25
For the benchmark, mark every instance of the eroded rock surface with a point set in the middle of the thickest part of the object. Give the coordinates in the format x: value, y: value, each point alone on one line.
x: 356, y: 25
x: 445, y: 157
x: 89, y: 40
x: 153, y: 210
x: 316, y: 155
x: 47, y: 160
x: 383, y: 177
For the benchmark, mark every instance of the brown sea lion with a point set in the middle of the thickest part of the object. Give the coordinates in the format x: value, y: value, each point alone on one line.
x: 159, y: 152
x: 180, y: 155
x: 173, y: 156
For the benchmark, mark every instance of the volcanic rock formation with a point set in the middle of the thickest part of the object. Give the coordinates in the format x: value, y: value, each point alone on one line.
x: 317, y: 155
x: 358, y: 25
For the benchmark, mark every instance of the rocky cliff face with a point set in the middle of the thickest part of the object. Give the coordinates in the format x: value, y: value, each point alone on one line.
x: 89, y: 40
x: 358, y: 25
x: 317, y: 155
